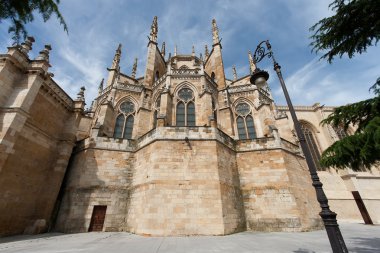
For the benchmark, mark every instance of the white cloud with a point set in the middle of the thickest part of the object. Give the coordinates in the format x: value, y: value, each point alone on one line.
x: 96, y: 27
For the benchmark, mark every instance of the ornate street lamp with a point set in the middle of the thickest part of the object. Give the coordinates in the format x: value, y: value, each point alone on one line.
x: 328, y: 217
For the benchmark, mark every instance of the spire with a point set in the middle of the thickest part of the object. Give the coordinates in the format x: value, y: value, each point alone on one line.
x: 252, y: 65
x: 193, y: 51
x: 27, y: 45
x: 154, y: 30
x: 215, y: 33
x: 206, y: 52
x: 163, y: 49
x: 44, y: 54
x: 201, y: 56
x: 80, y: 95
x: 134, y: 68
x: 116, y: 58
x: 234, y: 72
x: 175, y: 50
x: 100, y: 89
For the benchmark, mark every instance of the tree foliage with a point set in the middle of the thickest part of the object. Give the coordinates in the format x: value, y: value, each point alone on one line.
x: 354, y: 27
x: 363, y: 147
x: 21, y: 12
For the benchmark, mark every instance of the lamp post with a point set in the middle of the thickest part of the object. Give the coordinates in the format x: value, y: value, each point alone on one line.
x: 328, y: 217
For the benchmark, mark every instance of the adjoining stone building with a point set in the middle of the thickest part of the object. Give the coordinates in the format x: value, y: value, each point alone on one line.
x: 179, y: 151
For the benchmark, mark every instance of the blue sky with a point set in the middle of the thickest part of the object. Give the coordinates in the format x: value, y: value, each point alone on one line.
x: 96, y: 27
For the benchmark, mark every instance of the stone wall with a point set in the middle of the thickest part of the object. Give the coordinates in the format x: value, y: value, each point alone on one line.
x: 272, y: 195
x: 96, y: 177
x: 31, y: 176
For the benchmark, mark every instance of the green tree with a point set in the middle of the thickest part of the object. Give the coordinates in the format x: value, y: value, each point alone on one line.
x: 363, y: 147
x: 20, y: 12
x: 354, y: 27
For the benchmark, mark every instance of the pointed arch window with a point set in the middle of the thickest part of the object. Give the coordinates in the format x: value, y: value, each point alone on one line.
x: 244, y: 122
x: 157, y: 76
x: 185, y: 109
x: 157, y: 105
x: 124, y: 121
x: 214, y: 111
x: 312, y: 144
x: 213, y: 76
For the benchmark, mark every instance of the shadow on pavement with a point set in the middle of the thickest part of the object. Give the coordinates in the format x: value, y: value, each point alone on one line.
x: 365, y: 245
x: 303, y: 251
x: 16, y: 238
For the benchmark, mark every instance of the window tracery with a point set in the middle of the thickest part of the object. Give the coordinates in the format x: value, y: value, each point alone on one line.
x: 185, y: 109
x: 244, y: 121
x: 124, y: 121
x: 312, y: 144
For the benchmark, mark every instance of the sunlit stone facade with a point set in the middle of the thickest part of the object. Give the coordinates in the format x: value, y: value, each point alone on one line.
x: 181, y: 150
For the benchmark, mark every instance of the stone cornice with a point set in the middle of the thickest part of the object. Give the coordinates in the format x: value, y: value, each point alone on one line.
x: 54, y: 90
x: 307, y: 108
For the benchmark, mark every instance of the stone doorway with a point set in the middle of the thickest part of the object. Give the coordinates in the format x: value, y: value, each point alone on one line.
x: 97, y: 218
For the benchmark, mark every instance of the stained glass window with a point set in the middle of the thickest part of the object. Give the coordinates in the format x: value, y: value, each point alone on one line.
x: 244, y: 122
x: 118, y: 132
x: 312, y: 145
x: 190, y: 114
x: 241, y: 128
x: 128, y: 127
x: 243, y: 109
x: 127, y: 107
x: 180, y: 114
x: 124, y: 121
x: 185, y: 94
x: 250, y: 127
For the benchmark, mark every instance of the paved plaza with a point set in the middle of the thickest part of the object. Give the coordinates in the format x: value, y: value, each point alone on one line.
x: 359, y: 238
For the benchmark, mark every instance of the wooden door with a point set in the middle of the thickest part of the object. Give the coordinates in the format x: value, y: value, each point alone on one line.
x: 97, y: 218
x: 362, y: 208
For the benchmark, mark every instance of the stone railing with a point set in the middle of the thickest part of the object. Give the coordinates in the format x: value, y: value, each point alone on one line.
x: 159, y: 81
x: 241, y: 88
x: 105, y: 90
x: 185, y: 71
x: 184, y: 134
x: 130, y: 87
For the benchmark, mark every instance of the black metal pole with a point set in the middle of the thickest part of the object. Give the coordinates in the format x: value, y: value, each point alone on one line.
x: 329, y: 217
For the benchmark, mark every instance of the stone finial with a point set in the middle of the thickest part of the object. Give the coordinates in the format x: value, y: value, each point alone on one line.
x: 175, y: 50
x: 116, y: 58
x: 134, y: 69
x: 215, y: 32
x: 80, y: 95
x: 193, y: 51
x: 163, y: 49
x: 100, y: 89
x: 154, y: 30
x: 26, y: 46
x: 201, y: 56
x: 252, y: 64
x: 206, y: 52
x: 234, y: 72
x: 44, y: 54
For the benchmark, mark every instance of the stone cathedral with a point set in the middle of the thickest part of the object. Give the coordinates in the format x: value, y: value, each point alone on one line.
x: 181, y: 150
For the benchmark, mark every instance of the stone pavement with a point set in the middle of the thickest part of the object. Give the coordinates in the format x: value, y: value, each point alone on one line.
x: 358, y: 237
